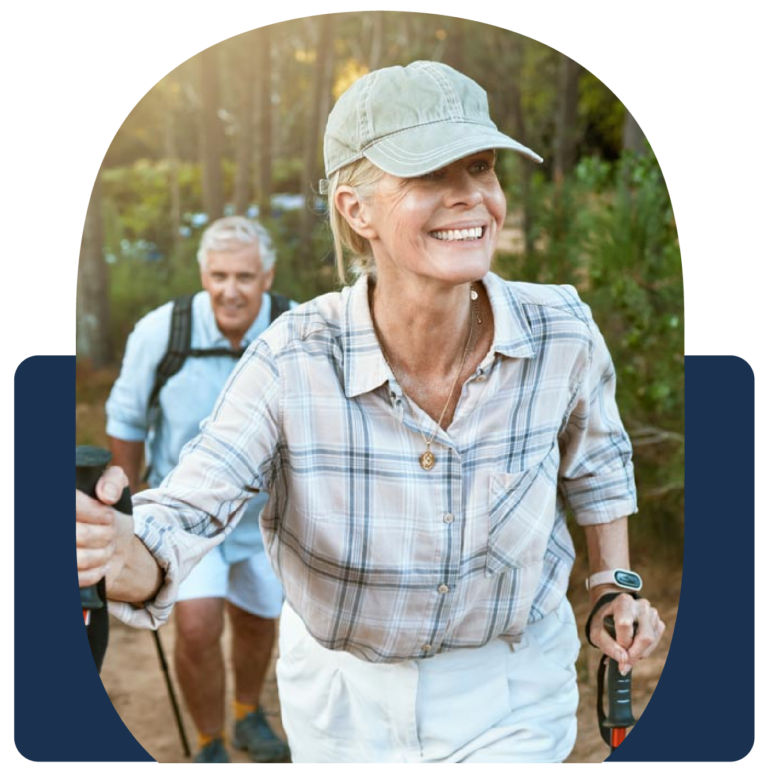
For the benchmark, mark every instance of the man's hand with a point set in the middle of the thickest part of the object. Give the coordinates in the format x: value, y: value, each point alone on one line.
x: 629, y: 647
x: 102, y: 533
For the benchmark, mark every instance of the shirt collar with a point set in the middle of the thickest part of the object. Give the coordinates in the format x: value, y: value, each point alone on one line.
x: 364, y: 365
x: 512, y: 330
x: 213, y: 335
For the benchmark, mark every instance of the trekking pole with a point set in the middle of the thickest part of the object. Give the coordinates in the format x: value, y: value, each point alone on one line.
x: 172, y: 695
x: 614, y: 724
x: 90, y: 463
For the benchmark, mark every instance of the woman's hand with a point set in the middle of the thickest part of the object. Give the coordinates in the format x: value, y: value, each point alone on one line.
x: 102, y: 533
x: 630, y: 646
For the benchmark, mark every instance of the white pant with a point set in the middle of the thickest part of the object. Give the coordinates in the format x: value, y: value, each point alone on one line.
x: 493, y: 704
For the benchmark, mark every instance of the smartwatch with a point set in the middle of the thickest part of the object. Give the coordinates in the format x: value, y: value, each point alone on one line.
x: 623, y: 578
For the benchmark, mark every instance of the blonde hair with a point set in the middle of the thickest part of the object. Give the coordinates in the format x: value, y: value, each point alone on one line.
x: 363, y: 177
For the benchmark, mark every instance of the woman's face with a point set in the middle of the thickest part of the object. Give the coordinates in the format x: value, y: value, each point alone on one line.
x: 442, y: 226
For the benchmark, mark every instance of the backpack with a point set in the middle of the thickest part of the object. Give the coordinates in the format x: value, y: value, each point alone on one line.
x: 180, y: 348
x: 180, y: 342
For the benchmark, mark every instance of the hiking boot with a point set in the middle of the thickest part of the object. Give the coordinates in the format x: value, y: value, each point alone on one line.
x: 213, y: 753
x: 253, y: 734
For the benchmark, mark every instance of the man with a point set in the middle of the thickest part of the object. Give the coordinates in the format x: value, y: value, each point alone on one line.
x: 236, y: 270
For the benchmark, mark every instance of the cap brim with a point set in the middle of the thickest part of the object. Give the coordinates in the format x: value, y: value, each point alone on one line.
x: 429, y: 147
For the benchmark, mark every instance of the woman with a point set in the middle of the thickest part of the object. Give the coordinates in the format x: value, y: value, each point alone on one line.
x: 419, y: 434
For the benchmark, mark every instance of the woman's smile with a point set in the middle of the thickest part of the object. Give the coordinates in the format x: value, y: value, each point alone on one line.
x: 456, y: 211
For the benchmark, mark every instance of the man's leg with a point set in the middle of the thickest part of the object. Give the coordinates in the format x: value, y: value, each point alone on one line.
x: 200, y: 662
x: 199, y: 659
x: 252, y: 641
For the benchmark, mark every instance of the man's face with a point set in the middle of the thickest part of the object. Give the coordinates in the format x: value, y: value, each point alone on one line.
x: 236, y: 282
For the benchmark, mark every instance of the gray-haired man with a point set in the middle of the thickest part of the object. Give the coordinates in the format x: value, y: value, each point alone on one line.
x: 160, y: 415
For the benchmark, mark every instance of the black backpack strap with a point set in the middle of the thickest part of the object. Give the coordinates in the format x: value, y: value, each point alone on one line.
x: 280, y: 305
x: 179, y: 346
x: 180, y: 342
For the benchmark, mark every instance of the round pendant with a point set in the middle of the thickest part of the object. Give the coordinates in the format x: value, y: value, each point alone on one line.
x: 427, y: 460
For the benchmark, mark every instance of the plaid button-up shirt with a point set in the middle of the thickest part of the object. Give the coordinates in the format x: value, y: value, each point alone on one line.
x: 378, y: 556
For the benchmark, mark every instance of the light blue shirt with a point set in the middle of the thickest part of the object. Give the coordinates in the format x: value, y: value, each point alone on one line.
x: 184, y: 402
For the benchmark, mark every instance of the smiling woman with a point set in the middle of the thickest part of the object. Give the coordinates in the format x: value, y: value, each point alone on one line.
x: 420, y: 227
x: 420, y: 435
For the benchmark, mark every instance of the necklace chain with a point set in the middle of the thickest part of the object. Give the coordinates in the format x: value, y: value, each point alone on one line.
x: 427, y: 459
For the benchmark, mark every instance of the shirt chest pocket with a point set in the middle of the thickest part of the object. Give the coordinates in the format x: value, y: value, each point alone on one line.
x: 521, y: 515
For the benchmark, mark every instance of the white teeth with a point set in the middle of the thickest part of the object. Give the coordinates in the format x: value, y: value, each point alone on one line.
x: 459, y: 234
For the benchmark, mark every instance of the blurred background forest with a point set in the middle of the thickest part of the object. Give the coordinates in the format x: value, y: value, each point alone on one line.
x: 238, y: 129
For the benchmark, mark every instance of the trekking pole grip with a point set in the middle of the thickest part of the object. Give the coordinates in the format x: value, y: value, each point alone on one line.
x: 619, y: 690
x: 90, y: 463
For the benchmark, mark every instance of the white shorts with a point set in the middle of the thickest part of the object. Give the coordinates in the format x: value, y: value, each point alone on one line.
x: 250, y: 585
x: 493, y: 704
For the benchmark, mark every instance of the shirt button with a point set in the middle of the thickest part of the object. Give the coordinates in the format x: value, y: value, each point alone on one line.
x: 426, y: 648
x: 448, y: 518
x: 443, y: 589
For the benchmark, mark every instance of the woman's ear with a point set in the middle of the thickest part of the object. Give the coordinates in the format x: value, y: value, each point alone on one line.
x: 354, y: 211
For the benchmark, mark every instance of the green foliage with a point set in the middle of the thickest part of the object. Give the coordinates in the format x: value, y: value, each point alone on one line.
x: 601, y: 118
x: 138, y: 201
x: 288, y: 174
x: 299, y: 276
x: 138, y: 286
x: 637, y: 290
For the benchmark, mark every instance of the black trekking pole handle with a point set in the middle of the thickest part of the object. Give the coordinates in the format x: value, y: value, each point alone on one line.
x: 618, y: 688
x: 90, y: 463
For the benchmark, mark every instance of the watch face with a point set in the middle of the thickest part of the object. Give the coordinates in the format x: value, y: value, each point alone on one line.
x: 628, y: 579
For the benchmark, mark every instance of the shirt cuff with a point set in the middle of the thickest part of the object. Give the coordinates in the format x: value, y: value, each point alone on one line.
x: 123, y: 430
x: 602, y: 498
x: 176, y: 551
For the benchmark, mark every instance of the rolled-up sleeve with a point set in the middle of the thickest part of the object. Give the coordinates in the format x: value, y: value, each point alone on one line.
x: 129, y: 399
x: 201, y: 501
x: 596, y: 471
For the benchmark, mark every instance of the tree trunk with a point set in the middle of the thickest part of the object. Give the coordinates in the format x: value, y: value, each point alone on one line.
x: 173, y: 174
x: 264, y: 39
x: 454, y: 56
x: 567, y: 105
x: 94, y: 340
x: 377, y: 40
x: 323, y: 77
x: 249, y: 44
x: 633, y: 138
x: 211, y: 137
x: 516, y: 119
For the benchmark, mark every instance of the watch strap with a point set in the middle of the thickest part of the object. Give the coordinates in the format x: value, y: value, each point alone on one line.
x: 623, y: 578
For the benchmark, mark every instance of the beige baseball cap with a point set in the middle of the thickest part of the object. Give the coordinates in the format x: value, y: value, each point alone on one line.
x: 412, y: 120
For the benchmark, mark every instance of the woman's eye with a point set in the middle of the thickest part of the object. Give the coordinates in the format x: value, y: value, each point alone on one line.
x: 435, y: 175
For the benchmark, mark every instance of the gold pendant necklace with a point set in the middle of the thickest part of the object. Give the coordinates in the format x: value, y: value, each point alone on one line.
x: 427, y: 459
